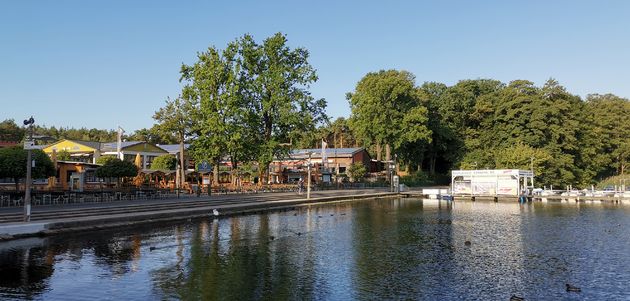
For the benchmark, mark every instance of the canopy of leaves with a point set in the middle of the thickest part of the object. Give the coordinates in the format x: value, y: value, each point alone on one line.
x: 164, y: 162
x: 116, y: 168
x: 484, y: 123
x: 356, y: 171
x: 387, y: 110
x: 13, y: 163
x: 10, y: 131
x: 63, y: 155
x: 102, y: 160
x: 250, y: 99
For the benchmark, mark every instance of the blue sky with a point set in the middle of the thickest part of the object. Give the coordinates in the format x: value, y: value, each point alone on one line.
x: 107, y: 63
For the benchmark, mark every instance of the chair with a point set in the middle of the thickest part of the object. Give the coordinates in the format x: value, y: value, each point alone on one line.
x: 47, y: 197
x: 37, y: 199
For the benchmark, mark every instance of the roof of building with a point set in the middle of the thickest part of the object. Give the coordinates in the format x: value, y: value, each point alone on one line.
x: 172, y: 148
x: 8, y: 143
x: 330, y: 152
x: 94, y: 145
x: 113, y: 146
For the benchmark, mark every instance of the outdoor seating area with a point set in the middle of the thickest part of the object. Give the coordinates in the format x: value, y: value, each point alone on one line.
x: 43, y: 198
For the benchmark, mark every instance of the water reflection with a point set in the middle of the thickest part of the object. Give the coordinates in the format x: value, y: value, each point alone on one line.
x: 385, y: 249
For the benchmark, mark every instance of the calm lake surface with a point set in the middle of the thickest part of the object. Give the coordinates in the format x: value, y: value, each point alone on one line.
x: 379, y: 249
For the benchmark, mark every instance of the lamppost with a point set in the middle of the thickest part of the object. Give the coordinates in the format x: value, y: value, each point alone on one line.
x: 308, y: 181
x: 391, y: 167
x: 531, y: 168
x: 28, y: 145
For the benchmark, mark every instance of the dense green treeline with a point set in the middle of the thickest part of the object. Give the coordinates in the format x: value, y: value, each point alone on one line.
x: 11, y: 131
x: 479, y: 124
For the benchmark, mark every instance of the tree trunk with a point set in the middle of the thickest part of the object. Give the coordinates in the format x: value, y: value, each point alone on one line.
x: 234, y: 173
x: 17, y: 184
x: 263, y: 172
x: 388, y: 155
x: 215, y: 173
x: 378, y: 152
x: 182, y: 160
x: 432, y: 160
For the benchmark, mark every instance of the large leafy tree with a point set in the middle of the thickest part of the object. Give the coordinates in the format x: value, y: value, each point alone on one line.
x: 543, y: 118
x: 164, y: 162
x: 116, y: 168
x: 278, y: 80
x: 605, y: 147
x: 154, y: 135
x: 252, y: 99
x: 222, y: 111
x: 466, y: 119
x: 176, y: 119
x: 10, y: 131
x: 13, y: 164
x: 387, y: 111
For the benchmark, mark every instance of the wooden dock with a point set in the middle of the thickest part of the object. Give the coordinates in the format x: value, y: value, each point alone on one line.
x: 505, y: 198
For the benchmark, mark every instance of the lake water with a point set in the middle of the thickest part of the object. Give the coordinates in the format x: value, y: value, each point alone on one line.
x: 378, y: 249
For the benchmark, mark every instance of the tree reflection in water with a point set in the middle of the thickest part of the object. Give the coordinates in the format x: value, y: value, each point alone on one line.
x: 384, y: 249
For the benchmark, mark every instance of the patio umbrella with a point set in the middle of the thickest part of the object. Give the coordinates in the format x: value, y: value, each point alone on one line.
x: 139, y: 178
x: 138, y: 162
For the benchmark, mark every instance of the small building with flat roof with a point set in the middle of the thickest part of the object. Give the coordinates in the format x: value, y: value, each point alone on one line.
x: 491, y: 182
x: 333, y: 162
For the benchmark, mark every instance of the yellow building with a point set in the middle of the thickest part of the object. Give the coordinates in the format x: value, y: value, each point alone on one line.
x: 80, y: 151
x: 89, y: 152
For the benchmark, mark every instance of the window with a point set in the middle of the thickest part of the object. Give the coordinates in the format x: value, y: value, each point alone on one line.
x: 90, y: 176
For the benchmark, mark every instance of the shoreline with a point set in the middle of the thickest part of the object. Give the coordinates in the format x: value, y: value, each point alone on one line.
x: 13, y: 231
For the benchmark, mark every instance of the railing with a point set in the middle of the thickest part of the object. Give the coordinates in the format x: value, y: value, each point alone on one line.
x: 43, y: 198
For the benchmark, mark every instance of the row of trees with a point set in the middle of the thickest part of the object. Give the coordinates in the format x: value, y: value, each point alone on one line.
x: 250, y: 102
x: 10, y: 131
x: 488, y: 124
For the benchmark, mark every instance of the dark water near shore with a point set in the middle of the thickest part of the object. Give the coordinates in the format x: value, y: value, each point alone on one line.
x: 385, y: 249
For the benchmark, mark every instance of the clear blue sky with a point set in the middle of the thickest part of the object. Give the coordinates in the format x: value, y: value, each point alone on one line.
x: 107, y: 63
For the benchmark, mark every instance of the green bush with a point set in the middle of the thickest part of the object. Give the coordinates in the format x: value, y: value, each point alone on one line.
x: 102, y: 160
x: 164, y: 162
x: 117, y: 168
x: 613, y: 181
x: 13, y: 164
x: 415, y: 179
x: 356, y: 171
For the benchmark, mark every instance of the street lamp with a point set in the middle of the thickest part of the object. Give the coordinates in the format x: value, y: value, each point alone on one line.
x: 531, y: 168
x: 28, y: 145
x: 392, y: 167
x: 308, y: 181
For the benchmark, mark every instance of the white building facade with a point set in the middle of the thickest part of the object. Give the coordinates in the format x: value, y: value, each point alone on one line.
x: 492, y: 182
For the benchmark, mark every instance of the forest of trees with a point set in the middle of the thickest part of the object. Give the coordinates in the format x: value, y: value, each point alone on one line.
x: 250, y: 102
x: 486, y: 124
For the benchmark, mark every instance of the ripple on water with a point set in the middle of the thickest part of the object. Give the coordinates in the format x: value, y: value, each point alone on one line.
x: 386, y: 249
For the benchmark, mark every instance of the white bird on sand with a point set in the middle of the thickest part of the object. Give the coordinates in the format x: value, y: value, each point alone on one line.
x: 215, y: 212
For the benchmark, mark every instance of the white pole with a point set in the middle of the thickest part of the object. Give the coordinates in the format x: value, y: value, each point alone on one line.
x: 29, y: 166
x: 119, y: 144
